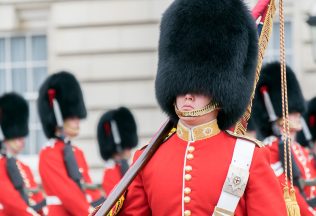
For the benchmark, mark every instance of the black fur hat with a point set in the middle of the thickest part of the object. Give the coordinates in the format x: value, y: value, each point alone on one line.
x: 14, y: 116
x: 271, y: 80
x: 310, y: 118
x: 207, y: 47
x: 69, y: 96
x: 126, y: 130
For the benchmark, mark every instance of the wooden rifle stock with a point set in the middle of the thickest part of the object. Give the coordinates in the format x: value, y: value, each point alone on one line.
x: 129, y: 176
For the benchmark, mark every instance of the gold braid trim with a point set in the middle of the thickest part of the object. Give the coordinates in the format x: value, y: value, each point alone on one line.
x: 199, y: 112
x: 117, y: 207
x: 241, y: 125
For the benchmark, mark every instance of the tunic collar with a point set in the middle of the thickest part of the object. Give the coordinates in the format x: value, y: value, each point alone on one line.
x: 199, y: 132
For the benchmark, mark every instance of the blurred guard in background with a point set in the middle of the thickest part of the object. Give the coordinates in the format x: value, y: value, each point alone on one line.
x: 19, y: 194
x: 62, y: 166
x: 267, y: 114
x: 310, y: 119
x: 117, y: 135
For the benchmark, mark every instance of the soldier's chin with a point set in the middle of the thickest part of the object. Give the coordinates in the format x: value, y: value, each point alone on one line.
x: 295, y: 129
x: 72, y: 132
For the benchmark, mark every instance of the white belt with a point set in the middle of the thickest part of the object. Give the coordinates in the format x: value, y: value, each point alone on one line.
x: 237, y: 178
x: 53, y: 200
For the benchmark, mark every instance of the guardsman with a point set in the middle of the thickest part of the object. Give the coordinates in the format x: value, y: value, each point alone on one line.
x: 304, y: 137
x: 117, y: 135
x: 20, y: 194
x: 206, y: 69
x: 62, y: 166
x: 267, y: 114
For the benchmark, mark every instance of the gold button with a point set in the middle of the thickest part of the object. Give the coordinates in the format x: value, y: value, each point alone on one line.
x: 188, y: 168
x: 190, y: 156
x: 187, y: 177
x: 187, y: 213
x: 81, y: 170
x: 186, y: 199
x: 191, y: 149
x: 187, y: 190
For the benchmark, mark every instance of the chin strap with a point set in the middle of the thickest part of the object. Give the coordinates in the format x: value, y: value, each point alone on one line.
x: 198, y: 112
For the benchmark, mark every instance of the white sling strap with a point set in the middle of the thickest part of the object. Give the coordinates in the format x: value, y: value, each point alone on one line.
x: 236, y: 179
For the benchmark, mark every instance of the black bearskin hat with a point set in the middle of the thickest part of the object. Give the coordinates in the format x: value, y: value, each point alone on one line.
x: 310, y: 119
x: 207, y: 47
x: 270, y: 80
x: 68, y: 95
x: 251, y: 125
x: 126, y: 130
x: 14, y: 116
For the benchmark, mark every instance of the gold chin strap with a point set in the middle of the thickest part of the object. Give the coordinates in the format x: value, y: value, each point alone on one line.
x: 199, y: 112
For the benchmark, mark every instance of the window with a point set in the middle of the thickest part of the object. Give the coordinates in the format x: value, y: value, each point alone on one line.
x: 23, y: 68
x: 273, y: 50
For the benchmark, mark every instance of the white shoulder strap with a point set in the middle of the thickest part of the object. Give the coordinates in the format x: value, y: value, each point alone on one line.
x: 236, y: 179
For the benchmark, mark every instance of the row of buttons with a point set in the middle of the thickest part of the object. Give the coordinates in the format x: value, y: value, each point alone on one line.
x: 188, y: 177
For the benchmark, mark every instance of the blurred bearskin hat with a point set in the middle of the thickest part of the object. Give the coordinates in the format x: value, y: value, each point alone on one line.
x: 14, y: 116
x: 270, y: 80
x: 68, y: 95
x: 207, y: 47
x: 251, y: 125
x: 116, y: 131
x: 310, y: 119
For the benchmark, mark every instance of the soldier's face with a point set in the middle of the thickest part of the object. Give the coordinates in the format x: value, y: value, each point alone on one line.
x: 294, y: 121
x: 15, y: 146
x: 190, y: 102
x: 72, y: 126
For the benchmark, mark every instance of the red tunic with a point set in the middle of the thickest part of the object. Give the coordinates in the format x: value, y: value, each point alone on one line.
x: 112, y: 175
x: 11, y: 201
x: 57, y: 183
x: 302, y: 158
x: 163, y: 187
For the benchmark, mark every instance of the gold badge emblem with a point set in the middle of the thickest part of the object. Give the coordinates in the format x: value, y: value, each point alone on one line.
x: 236, y: 180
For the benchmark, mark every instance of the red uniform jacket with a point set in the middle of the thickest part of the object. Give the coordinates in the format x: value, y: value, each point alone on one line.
x: 174, y: 183
x: 302, y: 158
x: 10, y: 199
x: 304, y: 164
x: 112, y: 175
x: 58, y: 184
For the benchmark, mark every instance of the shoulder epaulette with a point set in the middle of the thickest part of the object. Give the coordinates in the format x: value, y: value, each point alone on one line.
x: 257, y: 142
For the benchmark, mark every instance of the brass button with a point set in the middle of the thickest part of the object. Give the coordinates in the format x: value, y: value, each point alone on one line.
x: 187, y: 177
x: 187, y: 213
x: 188, y: 168
x: 186, y: 199
x: 81, y: 170
x: 191, y: 149
x: 190, y: 156
x: 187, y: 190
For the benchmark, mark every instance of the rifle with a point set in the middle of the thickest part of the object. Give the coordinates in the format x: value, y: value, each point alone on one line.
x: 127, y: 179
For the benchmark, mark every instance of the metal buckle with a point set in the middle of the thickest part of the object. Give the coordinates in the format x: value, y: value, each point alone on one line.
x: 236, y: 180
